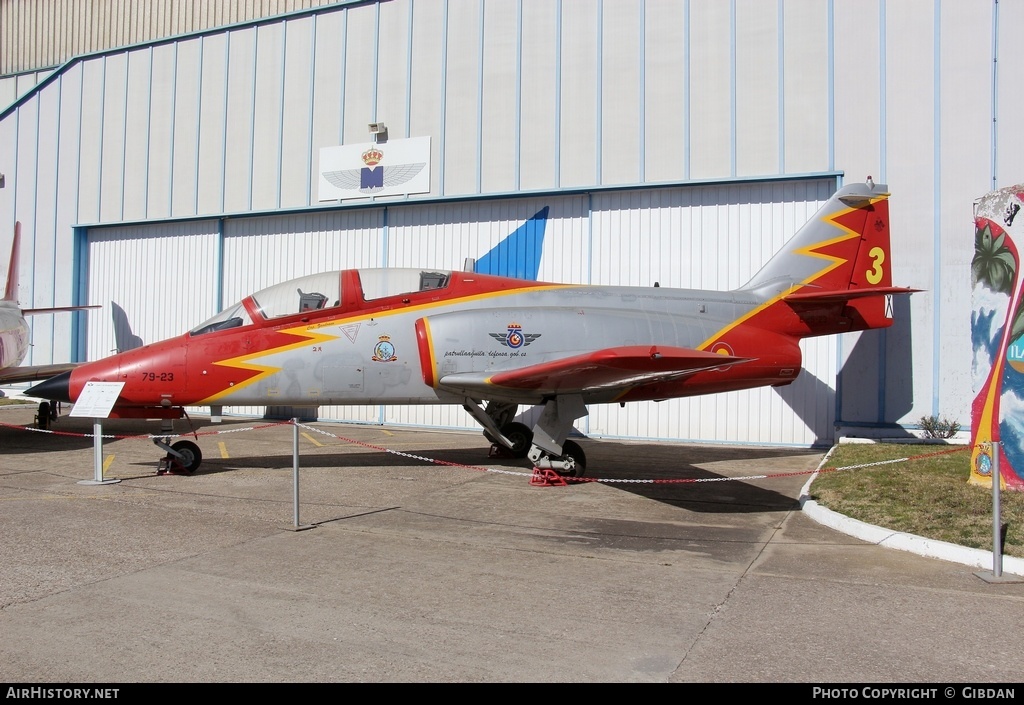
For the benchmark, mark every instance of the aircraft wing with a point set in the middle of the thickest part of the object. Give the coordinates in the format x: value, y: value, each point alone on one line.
x: 611, y: 368
x: 33, y: 373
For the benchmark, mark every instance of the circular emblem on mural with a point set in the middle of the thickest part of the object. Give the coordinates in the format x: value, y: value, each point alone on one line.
x: 983, y: 465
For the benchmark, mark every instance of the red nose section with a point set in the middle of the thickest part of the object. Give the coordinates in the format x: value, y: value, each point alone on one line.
x: 153, y: 375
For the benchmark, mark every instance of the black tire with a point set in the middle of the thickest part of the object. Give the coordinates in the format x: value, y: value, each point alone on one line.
x: 43, y: 415
x: 191, y: 455
x: 521, y: 436
x: 571, y: 449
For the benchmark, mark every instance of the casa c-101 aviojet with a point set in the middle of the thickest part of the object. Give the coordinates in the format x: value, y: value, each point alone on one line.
x: 492, y: 344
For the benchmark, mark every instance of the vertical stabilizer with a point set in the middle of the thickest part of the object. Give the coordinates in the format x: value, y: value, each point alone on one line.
x: 835, y: 274
x: 844, y: 246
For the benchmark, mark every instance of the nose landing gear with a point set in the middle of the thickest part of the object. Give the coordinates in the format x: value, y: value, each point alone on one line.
x: 182, y: 457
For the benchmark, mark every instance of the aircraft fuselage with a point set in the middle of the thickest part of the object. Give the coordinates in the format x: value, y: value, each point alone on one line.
x: 420, y: 346
x: 13, y: 336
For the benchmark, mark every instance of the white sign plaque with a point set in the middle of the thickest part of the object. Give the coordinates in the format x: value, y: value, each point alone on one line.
x: 97, y: 399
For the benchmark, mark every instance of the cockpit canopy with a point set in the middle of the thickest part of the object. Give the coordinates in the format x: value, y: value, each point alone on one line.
x: 320, y: 291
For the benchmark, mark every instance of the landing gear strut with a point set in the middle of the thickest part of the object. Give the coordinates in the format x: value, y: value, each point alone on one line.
x: 545, y: 445
x: 519, y: 434
x: 551, y: 450
x: 182, y: 457
x: 571, y: 463
x: 509, y: 438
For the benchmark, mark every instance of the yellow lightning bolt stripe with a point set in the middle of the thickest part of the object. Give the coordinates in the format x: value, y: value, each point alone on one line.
x: 809, y: 251
x: 242, y: 362
x: 310, y: 338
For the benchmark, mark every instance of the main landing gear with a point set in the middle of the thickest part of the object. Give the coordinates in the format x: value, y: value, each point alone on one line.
x: 545, y: 445
x: 46, y: 414
x: 571, y: 462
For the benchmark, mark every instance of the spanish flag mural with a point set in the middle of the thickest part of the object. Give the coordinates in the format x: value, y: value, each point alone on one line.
x: 997, y: 333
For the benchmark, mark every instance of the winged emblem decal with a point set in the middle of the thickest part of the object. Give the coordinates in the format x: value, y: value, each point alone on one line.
x: 515, y: 338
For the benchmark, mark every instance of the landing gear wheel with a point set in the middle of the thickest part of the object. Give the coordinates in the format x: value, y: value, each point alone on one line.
x: 571, y: 449
x: 521, y: 437
x: 191, y: 455
x: 43, y: 416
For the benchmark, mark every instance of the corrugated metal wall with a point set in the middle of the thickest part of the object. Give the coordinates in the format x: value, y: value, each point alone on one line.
x: 16, y: 85
x: 231, y: 121
x: 37, y: 34
x: 541, y: 97
x: 160, y: 280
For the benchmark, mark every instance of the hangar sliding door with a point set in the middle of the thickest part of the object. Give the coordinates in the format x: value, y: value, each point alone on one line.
x: 154, y: 282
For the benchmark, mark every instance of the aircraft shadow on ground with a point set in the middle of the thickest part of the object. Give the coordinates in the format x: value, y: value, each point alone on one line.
x: 668, y: 473
x: 15, y: 438
x: 21, y: 436
x: 678, y: 478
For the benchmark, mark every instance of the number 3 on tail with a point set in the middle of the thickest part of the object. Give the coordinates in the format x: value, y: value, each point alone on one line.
x: 874, y: 275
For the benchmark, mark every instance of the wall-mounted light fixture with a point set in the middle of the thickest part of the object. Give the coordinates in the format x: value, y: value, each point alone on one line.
x: 379, y: 131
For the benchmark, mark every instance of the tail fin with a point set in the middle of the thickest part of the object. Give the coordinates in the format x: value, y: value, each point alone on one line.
x: 11, y: 290
x: 836, y: 272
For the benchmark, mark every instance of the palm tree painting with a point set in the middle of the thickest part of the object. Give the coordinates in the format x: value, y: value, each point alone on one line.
x: 997, y: 332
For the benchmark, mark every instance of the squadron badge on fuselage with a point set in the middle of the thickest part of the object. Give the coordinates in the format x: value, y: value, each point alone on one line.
x: 384, y: 350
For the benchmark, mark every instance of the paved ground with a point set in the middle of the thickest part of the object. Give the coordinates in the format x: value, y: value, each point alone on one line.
x: 460, y: 572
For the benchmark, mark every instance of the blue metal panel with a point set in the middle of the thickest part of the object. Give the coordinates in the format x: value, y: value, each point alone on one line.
x: 518, y: 255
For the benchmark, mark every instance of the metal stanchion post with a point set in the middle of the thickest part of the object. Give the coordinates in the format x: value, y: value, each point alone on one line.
x: 295, y: 468
x: 97, y: 457
x: 997, y: 544
x: 296, y: 526
x: 996, y: 575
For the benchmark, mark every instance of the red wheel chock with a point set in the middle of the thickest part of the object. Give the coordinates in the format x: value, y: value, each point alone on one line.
x: 547, y: 478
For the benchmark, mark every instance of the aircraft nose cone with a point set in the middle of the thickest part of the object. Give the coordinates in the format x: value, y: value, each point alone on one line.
x: 55, y: 389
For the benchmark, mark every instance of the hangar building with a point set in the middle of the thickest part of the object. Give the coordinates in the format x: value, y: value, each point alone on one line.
x: 167, y: 158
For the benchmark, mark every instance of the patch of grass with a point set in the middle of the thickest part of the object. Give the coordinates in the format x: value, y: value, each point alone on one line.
x: 7, y: 401
x: 927, y: 495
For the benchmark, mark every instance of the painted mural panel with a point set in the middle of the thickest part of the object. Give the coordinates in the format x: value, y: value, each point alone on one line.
x: 997, y: 332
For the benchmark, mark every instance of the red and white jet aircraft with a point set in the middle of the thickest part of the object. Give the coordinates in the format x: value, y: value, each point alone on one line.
x: 492, y: 344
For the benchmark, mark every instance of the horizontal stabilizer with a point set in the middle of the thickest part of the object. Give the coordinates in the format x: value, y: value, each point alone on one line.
x: 610, y: 368
x: 846, y: 294
x: 55, y: 309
